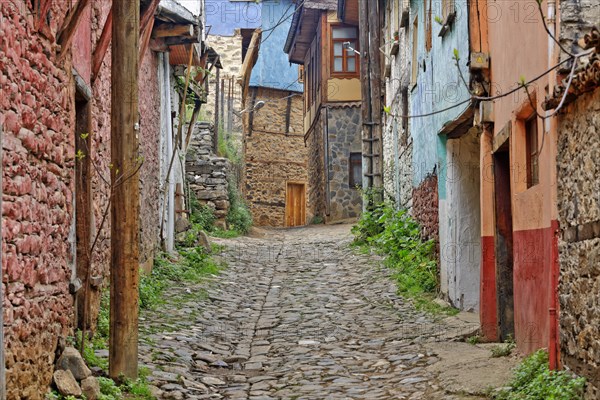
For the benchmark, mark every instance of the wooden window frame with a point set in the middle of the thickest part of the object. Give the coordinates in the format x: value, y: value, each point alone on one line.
x: 353, y: 181
x: 414, y: 67
x: 344, y: 73
x: 531, y: 151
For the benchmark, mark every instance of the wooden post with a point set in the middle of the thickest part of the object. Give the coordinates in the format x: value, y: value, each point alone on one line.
x: 83, y: 206
x: 365, y: 89
x: 222, y: 105
x: 124, y: 268
x: 371, y: 98
x: 217, y: 96
x: 376, y: 108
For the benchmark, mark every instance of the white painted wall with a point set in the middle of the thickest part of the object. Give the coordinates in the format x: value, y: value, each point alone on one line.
x: 460, y: 236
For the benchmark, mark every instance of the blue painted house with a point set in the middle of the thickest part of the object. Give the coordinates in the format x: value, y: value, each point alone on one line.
x: 445, y: 153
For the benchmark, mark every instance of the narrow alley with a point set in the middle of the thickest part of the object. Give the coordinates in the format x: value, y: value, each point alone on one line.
x: 295, y: 314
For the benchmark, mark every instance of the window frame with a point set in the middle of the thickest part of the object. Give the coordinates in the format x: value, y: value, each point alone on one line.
x: 532, y: 165
x: 353, y: 181
x: 345, y: 73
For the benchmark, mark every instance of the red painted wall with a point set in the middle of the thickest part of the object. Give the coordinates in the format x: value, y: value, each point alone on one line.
x: 533, y: 263
x: 488, y: 313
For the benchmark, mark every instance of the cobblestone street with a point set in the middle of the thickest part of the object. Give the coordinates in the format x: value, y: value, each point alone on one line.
x: 297, y: 314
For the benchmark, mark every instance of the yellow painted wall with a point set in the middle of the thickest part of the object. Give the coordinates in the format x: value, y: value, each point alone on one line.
x: 343, y: 89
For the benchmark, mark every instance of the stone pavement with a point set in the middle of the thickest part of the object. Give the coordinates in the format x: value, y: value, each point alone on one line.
x: 297, y: 314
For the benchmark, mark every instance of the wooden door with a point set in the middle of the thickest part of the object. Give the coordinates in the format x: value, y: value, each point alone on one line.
x: 295, y: 204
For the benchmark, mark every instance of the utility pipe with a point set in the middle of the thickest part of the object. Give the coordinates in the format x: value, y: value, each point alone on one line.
x: 170, y: 203
x: 548, y: 125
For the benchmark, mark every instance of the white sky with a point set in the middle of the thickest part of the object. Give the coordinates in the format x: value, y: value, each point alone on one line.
x: 192, y: 5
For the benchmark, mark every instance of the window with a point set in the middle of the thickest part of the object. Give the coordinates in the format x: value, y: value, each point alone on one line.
x: 415, y: 43
x: 355, y: 172
x: 300, y: 73
x: 531, y: 148
x: 344, y: 60
x: 427, y: 11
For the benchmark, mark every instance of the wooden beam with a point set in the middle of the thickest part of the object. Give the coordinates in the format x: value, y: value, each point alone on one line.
x: 102, y: 46
x: 148, y: 15
x: 124, y: 267
x: 70, y: 27
x: 166, y: 30
x: 39, y: 18
x: 145, y: 40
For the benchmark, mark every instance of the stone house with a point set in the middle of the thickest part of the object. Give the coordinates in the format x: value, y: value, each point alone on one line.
x: 274, y: 173
x: 578, y: 186
x: 55, y: 83
x: 332, y: 99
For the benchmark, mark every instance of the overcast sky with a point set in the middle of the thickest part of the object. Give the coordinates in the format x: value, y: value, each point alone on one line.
x: 192, y: 5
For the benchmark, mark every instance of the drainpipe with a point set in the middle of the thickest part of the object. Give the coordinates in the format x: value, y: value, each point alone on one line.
x: 2, y: 374
x: 553, y: 339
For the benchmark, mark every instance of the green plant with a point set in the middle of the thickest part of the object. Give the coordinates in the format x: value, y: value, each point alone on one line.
x: 192, y: 265
x: 239, y: 217
x: 473, y: 339
x: 317, y: 220
x: 394, y: 234
x: 502, y: 350
x: 533, y: 380
x: 201, y: 216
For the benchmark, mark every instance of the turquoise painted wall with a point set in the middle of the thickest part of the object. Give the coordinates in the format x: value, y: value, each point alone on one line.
x: 438, y: 86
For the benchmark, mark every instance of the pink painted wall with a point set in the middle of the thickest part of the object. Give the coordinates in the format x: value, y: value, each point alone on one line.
x: 514, y: 29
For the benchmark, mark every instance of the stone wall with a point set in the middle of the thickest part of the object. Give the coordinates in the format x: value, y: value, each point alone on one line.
x: 577, y: 17
x: 579, y: 243
x: 230, y: 52
x: 150, y: 194
x: 37, y: 115
x: 397, y: 144
x: 344, y: 137
x: 316, y: 168
x: 425, y: 207
x: 207, y: 173
x: 274, y: 154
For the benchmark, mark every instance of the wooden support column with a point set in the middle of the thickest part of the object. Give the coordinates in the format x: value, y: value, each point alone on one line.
x: 217, y: 122
x: 375, y: 97
x: 83, y: 205
x: 365, y: 89
x: 124, y: 268
x: 370, y: 71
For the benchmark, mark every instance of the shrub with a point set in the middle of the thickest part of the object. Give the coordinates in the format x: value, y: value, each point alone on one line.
x: 397, y: 236
x: 533, y: 380
x: 201, y: 216
x: 239, y: 217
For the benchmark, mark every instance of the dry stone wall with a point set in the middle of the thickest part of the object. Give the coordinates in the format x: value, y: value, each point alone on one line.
x: 207, y: 173
x: 579, y: 244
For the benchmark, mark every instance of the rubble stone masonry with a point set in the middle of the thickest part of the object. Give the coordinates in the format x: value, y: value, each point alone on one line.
x: 37, y: 115
x: 275, y: 155
x: 579, y: 244
x: 425, y: 207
